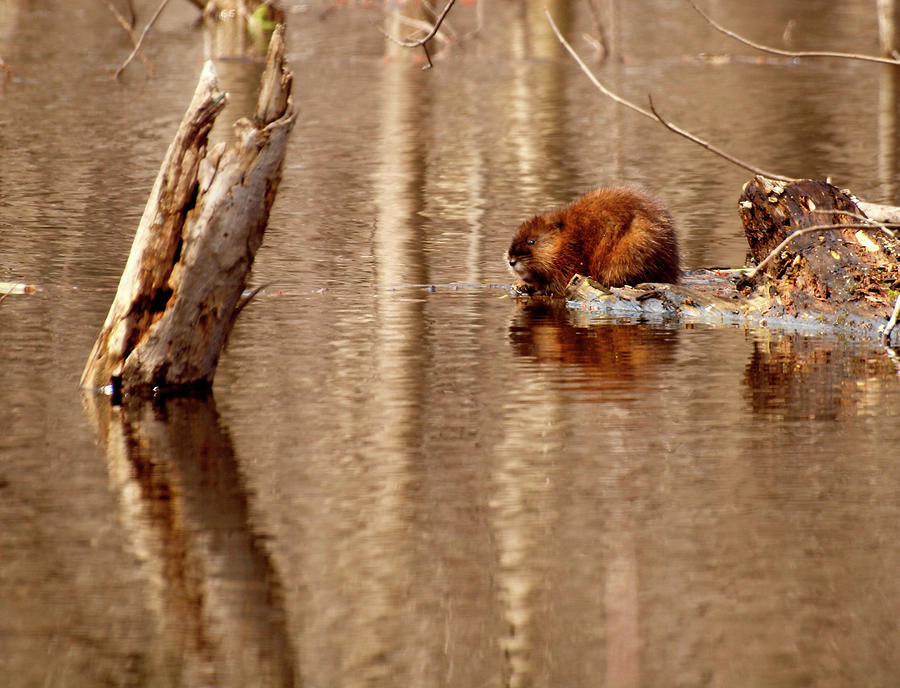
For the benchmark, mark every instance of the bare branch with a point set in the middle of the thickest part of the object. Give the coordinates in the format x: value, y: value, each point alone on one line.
x: 791, y: 53
x: 887, y: 227
x: 713, y: 149
x: 816, y: 228
x: 424, y: 40
x: 141, y: 39
x: 247, y: 298
x: 128, y: 26
x: 432, y: 10
x: 652, y: 114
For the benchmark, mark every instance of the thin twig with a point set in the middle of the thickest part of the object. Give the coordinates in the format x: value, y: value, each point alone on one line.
x: 434, y: 29
x: 140, y: 42
x: 887, y: 227
x: 129, y: 29
x: 791, y: 53
x: 713, y: 149
x: 808, y: 230
x: 652, y: 114
x: 5, y: 294
x: 424, y: 40
x: 451, y: 32
x: 7, y: 71
x: 886, y: 335
x: 248, y: 298
x: 123, y: 22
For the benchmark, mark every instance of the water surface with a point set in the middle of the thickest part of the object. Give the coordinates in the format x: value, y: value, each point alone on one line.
x: 404, y: 476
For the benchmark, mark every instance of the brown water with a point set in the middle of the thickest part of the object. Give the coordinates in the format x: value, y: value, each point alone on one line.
x: 404, y: 477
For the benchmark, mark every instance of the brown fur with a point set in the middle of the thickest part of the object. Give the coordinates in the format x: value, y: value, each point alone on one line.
x: 616, y: 235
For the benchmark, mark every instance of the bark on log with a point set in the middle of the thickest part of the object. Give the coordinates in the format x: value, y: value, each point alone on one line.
x: 180, y: 290
x: 839, y: 268
x: 717, y: 297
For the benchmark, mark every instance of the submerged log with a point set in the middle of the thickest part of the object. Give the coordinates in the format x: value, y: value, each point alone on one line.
x: 180, y: 291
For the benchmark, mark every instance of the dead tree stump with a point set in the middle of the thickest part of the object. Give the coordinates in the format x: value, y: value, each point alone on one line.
x: 180, y: 291
x: 833, y: 268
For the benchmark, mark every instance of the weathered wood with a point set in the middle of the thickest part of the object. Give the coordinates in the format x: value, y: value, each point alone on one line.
x: 204, y: 220
x: 880, y: 213
x: 771, y: 210
x: 853, y: 267
x: 718, y: 297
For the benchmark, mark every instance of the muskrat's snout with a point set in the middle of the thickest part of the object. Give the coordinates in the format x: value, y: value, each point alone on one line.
x: 519, y: 268
x: 515, y: 255
x: 514, y: 260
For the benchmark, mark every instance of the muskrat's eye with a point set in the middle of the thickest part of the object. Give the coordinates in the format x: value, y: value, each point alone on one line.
x: 531, y: 242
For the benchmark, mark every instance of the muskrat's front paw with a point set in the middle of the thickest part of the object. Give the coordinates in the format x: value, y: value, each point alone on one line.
x: 523, y: 289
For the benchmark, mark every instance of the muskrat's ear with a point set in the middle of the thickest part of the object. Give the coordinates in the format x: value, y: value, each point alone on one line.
x: 557, y: 224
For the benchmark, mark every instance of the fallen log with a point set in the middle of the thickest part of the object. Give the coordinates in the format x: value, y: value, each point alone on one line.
x: 717, y: 297
x: 823, y: 266
x: 180, y: 290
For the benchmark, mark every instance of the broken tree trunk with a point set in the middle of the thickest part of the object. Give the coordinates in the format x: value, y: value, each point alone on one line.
x: 851, y: 266
x: 179, y: 293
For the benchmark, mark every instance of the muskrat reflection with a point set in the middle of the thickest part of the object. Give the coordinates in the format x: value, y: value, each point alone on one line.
x: 613, y: 356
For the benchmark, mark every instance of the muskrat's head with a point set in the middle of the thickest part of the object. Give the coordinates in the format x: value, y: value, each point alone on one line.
x: 531, y: 253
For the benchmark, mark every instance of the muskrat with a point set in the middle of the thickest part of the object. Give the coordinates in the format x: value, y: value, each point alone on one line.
x: 616, y: 235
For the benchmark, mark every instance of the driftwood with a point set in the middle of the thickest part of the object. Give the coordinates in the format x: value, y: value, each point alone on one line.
x: 179, y: 293
x: 840, y: 272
